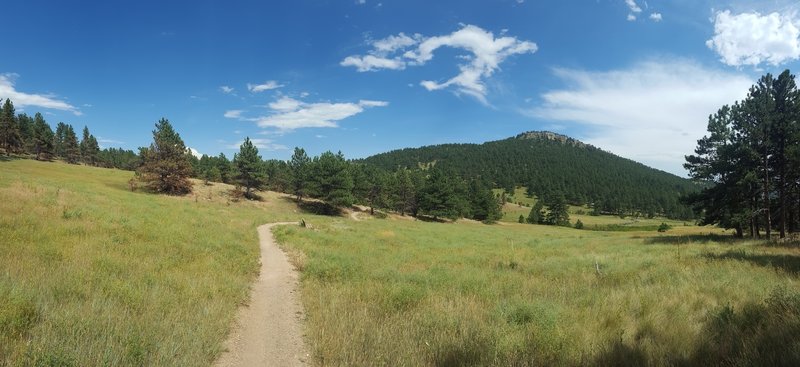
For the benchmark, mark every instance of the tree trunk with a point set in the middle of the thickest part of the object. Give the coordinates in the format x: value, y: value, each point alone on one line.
x: 766, y: 193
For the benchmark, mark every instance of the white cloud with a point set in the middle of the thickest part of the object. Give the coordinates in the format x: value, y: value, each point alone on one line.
x: 233, y: 114
x: 226, y: 89
x: 656, y: 17
x: 486, y: 52
x: 195, y: 153
x: 653, y: 112
x: 285, y: 104
x: 268, y: 85
x: 373, y: 63
x: 289, y: 113
x: 21, y: 99
x: 633, y: 6
x: 752, y: 38
x: 631, y: 17
x: 266, y: 144
x: 314, y: 115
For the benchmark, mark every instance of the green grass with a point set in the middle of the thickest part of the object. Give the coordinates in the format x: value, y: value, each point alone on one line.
x: 92, y: 274
x: 410, y: 293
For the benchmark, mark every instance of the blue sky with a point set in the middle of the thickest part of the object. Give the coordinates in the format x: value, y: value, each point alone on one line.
x: 637, y: 78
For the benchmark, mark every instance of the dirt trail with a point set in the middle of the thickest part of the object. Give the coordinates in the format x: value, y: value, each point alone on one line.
x: 268, y: 331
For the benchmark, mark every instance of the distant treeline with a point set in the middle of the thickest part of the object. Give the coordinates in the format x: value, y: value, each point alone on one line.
x: 550, y: 164
x: 33, y: 136
x: 751, y: 161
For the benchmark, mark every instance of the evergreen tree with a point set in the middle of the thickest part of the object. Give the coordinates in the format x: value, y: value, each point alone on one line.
x: 536, y: 216
x: 165, y: 166
x: 70, y: 147
x: 58, y: 139
x: 25, y: 123
x: 402, y: 193
x: 557, y: 210
x: 331, y: 179
x: 10, y: 138
x: 438, y: 197
x: 521, y: 219
x: 249, y: 168
x: 89, y: 148
x: 483, y: 205
x: 299, y: 166
x: 42, y: 138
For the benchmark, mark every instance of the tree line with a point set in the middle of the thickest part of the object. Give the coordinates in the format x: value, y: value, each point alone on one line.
x: 750, y: 160
x: 24, y: 135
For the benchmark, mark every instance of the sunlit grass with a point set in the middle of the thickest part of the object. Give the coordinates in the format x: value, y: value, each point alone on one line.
x: 93, y: 274
x: 410, y: 293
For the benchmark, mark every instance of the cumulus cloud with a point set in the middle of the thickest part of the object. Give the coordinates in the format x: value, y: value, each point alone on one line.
x: 233, y: 114
x: 195, y: 153
x: 373, y: 63
x: 287, y: 113
x: 751, y: 38
x: 226, y: 89
x: 631, y: 17
x: 268, y: 85
x: 21, y: 99
x: 265, y: 144
x: 653, y: 112
x: 656, y: 17
x: 485, y: 54
x: 633, y: 6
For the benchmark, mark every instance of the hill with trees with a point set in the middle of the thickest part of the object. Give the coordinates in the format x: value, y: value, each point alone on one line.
x: 550, y: 164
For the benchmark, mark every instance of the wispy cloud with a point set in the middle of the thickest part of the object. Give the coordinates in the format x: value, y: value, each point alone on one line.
x: 21, y: 99
x: 751, y: 38
x: 268, y: 85
x: 656, y: 17
x: 226, y: 89
x: 652, y: 112
x: 287, y: 113
x: 265, y: 144
x: 233, y: 114
x: 485, y: 54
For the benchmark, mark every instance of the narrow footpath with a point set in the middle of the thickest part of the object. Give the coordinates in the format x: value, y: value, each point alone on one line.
x: 268, y: 332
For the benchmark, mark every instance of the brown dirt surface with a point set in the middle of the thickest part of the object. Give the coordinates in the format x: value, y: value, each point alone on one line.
x: 268, y: 331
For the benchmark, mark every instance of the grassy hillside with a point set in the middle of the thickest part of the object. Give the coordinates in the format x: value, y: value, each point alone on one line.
x: 92, y: 274
x: 411, y: 293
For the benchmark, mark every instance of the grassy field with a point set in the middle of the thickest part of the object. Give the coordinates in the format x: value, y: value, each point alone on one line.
x: 521, y: 205
x: 410, y: 293
x: 93, y: 274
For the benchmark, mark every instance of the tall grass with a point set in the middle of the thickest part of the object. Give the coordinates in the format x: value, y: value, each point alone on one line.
x: 405, y: 293
x: 92, y: 274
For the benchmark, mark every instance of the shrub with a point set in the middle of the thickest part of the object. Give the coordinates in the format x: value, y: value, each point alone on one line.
x: 664, y: 227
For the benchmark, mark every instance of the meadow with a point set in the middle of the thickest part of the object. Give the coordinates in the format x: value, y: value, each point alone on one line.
x: 92, y: 274
x: 412, y: 293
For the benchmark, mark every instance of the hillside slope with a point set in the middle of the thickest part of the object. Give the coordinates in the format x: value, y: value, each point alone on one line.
x: 548, y: 163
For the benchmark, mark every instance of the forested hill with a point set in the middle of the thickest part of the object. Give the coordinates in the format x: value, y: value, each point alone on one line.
x: 548, y: 163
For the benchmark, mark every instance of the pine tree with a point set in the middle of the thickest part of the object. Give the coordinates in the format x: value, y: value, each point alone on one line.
x: 438, y: 197
x: 10, y: 139
x: 249, y: 168
x: 536, y: 216
x: 89, y: 148
x: 402, y: 192
x: 165, y: 166
x: 58, y: 139
x: 331, y: 180
x: 557, y: 210
x: 71, y: 149
x: 25, y: 123
x: 299, y: 166
x: 42, y: 139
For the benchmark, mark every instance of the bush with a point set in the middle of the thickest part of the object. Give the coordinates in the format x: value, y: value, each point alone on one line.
x: 578, y: 224
x: 521, y: 218
x: 664, y: 227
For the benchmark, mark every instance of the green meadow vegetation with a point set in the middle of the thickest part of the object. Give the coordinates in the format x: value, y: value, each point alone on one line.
x: 92, y: 274
x: 414, y: 293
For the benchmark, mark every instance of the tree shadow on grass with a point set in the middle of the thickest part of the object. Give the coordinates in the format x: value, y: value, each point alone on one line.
x: 315, y: 207
x: 750, y: 334
x: 691, y: 239
x: 787, y: 263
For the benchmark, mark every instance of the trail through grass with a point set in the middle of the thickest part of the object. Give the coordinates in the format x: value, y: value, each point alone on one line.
x: 92, y: 274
